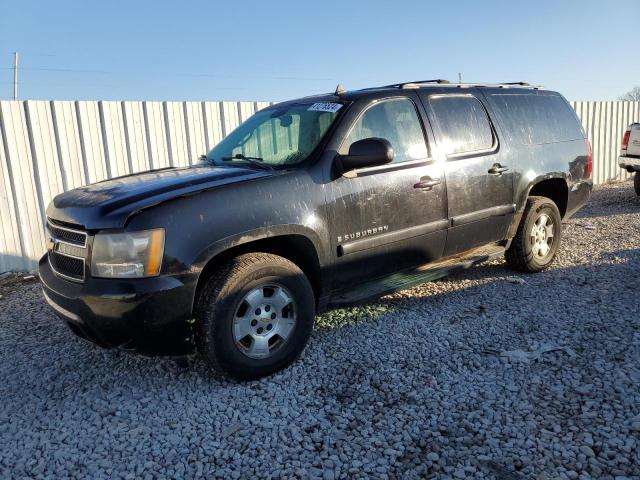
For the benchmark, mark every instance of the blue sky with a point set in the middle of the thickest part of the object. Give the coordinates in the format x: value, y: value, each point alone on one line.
x: 274, y: 50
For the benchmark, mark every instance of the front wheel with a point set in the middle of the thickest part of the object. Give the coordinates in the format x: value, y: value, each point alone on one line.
x: 636, y: 183
x: 254, y: 316
x: 538, y: 237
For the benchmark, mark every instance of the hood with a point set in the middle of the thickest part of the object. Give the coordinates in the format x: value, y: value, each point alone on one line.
x: 110, y: 203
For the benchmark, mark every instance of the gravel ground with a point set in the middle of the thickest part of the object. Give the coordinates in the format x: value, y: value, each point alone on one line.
x: 486, y: 374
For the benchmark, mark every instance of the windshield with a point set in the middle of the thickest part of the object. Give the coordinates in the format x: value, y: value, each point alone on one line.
x: 278, y: 136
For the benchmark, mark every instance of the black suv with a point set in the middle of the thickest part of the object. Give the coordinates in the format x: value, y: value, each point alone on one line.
x: 311, y: 204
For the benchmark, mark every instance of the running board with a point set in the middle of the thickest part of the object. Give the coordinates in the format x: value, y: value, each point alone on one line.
x: 410, y: 278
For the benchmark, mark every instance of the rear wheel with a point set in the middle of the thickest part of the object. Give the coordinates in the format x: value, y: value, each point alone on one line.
x: 538, y: 237
x: 254, y: 316
x: 636, y: 183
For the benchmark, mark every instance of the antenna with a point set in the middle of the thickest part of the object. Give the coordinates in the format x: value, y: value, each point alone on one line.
x: 339, y: 90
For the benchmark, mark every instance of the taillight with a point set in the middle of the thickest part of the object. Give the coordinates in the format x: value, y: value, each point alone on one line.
x: 625, y: 139
x: 589, y: 159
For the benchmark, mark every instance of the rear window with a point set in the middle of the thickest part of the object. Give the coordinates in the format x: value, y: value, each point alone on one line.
x: 536, y: 118
x: 462, y: 124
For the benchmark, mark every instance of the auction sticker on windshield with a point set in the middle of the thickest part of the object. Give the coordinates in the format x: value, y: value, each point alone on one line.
x: 325, y: 107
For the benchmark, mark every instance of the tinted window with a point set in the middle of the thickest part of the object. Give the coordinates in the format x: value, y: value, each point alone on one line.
x: 396, y: 121
x: 462, y: 123
x: 280, y: 135
x: 536, y: 118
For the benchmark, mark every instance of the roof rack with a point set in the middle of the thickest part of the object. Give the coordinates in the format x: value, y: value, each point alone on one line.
x: 503, y: 85
x: 419, y: 83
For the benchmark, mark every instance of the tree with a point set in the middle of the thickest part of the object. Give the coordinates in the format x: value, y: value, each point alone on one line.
x: 632, y: 95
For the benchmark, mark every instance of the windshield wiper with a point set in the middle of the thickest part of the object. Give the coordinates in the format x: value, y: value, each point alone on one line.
x: 258, y: 161
x: 242, y: 156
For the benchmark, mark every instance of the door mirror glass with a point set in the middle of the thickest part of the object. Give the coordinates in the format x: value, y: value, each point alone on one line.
x: 368, y: 152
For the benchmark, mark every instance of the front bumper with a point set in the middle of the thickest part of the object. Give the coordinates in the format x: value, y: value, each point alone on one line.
x: 149, y: 315
x: 627, y: 163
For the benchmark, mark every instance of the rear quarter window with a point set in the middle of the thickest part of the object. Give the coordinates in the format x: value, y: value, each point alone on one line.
x: 538, y: 118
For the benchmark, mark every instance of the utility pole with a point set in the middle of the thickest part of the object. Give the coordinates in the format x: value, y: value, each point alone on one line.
x: 15, y: 75
x: 459, y: 78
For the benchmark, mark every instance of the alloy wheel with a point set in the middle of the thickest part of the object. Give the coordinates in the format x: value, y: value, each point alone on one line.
x: 541, y: 236
x: 264, y: 320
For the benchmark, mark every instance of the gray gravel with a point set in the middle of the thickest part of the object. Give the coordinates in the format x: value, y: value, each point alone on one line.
x: 487, y: 374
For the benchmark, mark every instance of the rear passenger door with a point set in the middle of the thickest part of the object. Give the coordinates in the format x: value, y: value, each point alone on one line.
x: 478, y: 171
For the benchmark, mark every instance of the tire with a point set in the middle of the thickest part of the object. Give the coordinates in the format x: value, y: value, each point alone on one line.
x: 229, y: 305
x: 527, y: 252
x: 636, y: 183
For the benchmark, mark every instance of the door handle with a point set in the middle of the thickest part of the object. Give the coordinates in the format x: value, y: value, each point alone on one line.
x: 427, y: 183
x: 497, y: 169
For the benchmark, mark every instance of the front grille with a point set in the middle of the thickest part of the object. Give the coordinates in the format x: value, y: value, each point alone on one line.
x: 70, y: 267
x: 68, y: 235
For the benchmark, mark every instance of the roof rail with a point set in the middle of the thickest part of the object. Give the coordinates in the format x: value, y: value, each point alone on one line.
x: 461, y: 85
x: 507, y: 85
x: 416, y: 83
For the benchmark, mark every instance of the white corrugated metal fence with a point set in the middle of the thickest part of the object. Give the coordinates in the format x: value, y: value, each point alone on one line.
x: 605, y: 124
x: 50, y: 147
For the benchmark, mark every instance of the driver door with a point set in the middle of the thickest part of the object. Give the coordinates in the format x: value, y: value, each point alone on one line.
x: 390, y: 217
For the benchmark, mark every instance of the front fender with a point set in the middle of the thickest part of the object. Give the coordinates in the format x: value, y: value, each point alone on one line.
x: 224, y: 244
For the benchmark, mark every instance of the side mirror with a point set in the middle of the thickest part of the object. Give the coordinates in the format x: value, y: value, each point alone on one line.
x: 368, y: 152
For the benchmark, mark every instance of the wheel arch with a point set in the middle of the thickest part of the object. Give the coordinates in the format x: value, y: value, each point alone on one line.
x: 554, y: 188
x: 296, y: 247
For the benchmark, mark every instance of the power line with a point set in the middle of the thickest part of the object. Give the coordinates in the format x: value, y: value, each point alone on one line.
x: 56, y: 70
x: 14, y: 68
x: 205, y: 75
x: 263, y: 77
x: 32, y: 54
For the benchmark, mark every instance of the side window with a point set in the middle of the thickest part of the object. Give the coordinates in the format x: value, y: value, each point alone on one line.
x: 536, y: 118
x: 397, y: 121
x: 462, y: 123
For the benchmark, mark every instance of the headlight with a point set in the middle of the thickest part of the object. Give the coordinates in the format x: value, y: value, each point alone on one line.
x: 127, y: 255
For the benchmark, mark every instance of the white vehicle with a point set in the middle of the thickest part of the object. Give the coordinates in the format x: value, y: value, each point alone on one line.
x: 630, y: 153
